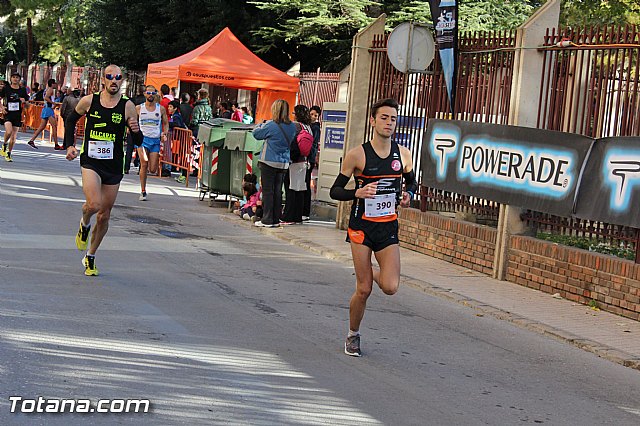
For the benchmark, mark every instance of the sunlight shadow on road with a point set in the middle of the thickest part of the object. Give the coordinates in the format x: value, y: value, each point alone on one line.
x: 189, y: 382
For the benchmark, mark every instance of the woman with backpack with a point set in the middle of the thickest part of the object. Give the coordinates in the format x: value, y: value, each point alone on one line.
x: 278, y: 134
x: 295, y: 178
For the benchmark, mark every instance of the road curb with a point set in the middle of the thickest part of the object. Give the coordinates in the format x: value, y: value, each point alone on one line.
x: 602, y: 351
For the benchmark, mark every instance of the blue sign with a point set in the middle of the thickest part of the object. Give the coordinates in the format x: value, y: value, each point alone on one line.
x: 334, y: 137
x: 334, y: 116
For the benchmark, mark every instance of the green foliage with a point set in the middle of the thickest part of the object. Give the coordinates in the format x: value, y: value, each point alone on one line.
x: 484, y: 15
x: 578, y: 13
x: 625, y: 251
x: 60, y: 27
x: 416, y: 11
x: 325, y: 27
x: 135, y: 33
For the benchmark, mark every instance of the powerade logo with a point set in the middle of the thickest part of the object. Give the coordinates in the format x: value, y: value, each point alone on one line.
x: 621, y: 172
x: 503, y: 164
x: 442, y: 147
x: 540, y: 171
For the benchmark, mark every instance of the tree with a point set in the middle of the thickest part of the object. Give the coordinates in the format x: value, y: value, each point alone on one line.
x: 487, y: 15
x: 135, y: 33
x: 323, y: 29
x: 580, y: 13
x: 60, y: 28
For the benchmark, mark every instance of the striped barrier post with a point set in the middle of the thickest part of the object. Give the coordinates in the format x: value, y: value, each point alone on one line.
x: 214, y: 162
x: 250, y: 163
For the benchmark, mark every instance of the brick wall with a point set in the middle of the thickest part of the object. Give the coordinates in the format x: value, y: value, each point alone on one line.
x: 462, y: 243
x: 576, y: 274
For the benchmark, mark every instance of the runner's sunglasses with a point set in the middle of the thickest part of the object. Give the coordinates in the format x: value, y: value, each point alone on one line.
x: 150, y: 93
x: 117, y: 77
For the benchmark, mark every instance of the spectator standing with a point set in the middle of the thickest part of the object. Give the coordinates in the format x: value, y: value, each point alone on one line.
x: 246, y: 117
x: 176, y: 120
x: 294, y: 203
x: 314, y: 114
x: 274, y: 160
x: 39, y: 94
x: 139, y: 98
x: 166, y: 97
x: 34, y: 89
x: 69, y: 103
x: 185, y: 108
x: 62, y: 93
x: 174, y: 93
x: 224, y: 111
x: 236, y: 114
x: 201, y: 111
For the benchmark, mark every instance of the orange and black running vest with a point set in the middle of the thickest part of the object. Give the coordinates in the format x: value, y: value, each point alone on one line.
x: 388, y: 173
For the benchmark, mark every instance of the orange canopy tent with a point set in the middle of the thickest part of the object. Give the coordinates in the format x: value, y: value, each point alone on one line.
x: 225, y: 61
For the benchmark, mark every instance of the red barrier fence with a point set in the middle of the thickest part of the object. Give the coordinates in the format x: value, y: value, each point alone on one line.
x: 178, y: 151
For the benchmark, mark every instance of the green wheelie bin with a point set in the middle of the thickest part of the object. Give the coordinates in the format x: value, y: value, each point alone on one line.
x: 244, y: 150
x: 215, y: 158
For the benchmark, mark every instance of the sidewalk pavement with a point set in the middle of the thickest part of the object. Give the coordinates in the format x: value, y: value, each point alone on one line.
x: 607, y: 335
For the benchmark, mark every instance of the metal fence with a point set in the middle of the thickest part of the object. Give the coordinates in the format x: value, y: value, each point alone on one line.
x: 318, y: 87
x: 591, y: 86
x: 485, y: 70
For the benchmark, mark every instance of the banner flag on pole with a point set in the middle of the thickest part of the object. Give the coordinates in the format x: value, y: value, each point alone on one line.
x: 445, y: 20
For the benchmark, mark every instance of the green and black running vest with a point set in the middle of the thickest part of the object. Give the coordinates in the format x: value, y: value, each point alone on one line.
x: 105, y: 124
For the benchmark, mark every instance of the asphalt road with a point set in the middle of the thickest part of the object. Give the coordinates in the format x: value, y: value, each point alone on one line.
x: 217, y: 324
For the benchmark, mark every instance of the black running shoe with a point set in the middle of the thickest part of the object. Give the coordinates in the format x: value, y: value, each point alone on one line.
x: 352, y: 346
x: 32, y: 144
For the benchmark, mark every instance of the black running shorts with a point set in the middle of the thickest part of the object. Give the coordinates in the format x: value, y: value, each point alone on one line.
x: 105, y: 177
x: 13, y: 118
x: 375, y: 235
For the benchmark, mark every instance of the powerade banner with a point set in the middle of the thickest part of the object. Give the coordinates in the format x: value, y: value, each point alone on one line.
x: 445, y: 21
x: 535, y: 169
x: 610, y: 188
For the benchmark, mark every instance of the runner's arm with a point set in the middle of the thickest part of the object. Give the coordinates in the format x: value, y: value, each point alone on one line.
x: 73, y: 117
x: 409, y: 176
x: 165, y: 121
x: 350, y: 164
x: 131, y: 116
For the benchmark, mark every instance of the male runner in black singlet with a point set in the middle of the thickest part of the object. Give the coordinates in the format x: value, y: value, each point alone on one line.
x: 379, y: 168
x: 101, y: 156
x: 13, y: 99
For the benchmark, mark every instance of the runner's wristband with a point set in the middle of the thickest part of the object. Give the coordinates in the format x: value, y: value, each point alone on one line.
x: 137, y: 137
x: 411, y: 185
x: 338, y: 192
x: 70, y: 129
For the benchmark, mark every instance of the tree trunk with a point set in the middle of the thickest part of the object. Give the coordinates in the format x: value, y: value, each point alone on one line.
x: 29, y: 41
x: 65, y: 52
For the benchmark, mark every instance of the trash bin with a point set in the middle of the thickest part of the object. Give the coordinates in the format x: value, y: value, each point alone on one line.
x: 215, y: 158
x: 244, y: 150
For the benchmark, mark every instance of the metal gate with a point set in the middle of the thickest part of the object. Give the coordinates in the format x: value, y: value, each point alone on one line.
x: 485, y: 70
x: 591, y: 86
